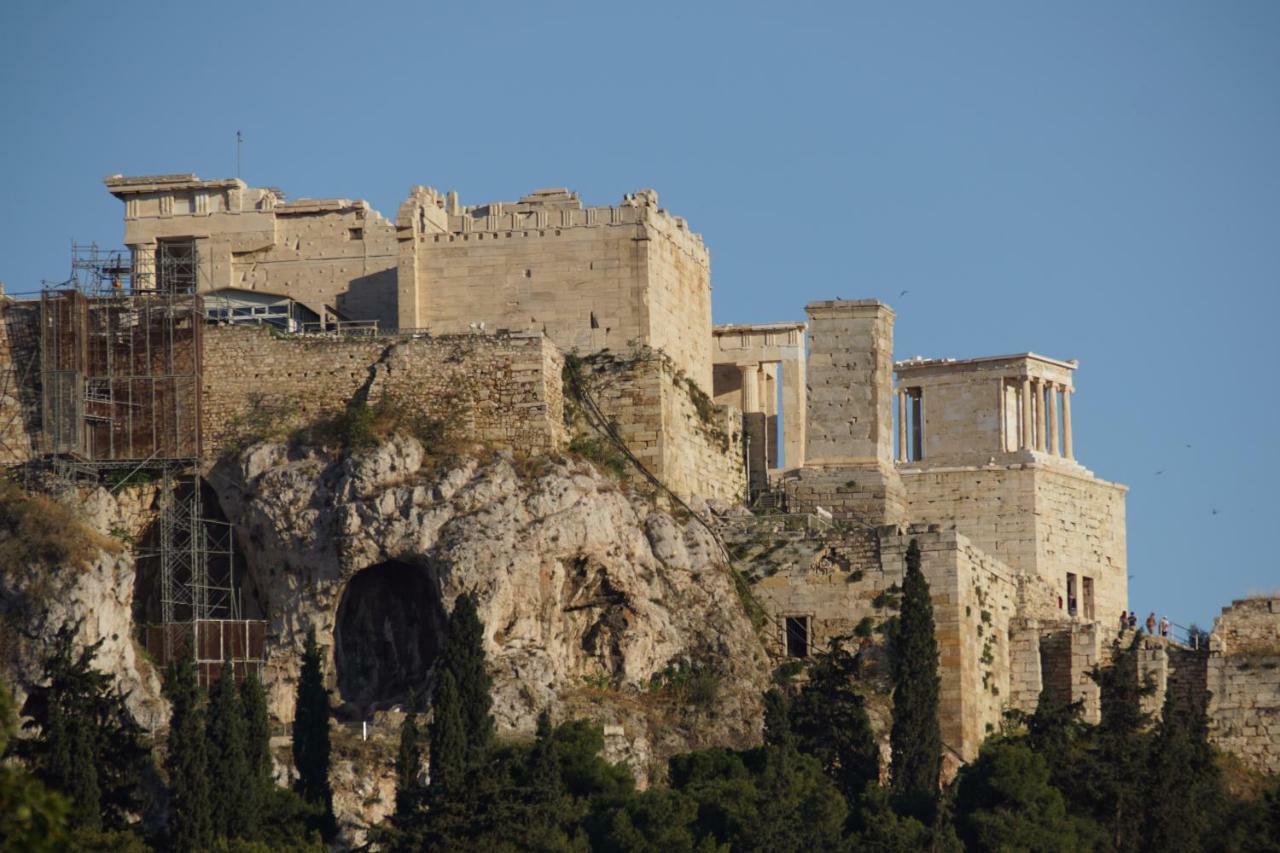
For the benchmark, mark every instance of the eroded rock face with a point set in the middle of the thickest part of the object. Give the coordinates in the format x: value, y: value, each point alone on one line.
x: 577, y: 581
x: 97, y: 596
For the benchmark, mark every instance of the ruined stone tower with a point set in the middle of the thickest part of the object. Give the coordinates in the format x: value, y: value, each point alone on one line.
x: 848, y: 461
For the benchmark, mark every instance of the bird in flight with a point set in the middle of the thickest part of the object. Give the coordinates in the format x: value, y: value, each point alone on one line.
x: 1158, y: 473
x: 904, y: 293
x: 1215, y: 512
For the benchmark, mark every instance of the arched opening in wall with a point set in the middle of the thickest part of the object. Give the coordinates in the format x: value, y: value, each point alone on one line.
x: 389, y: 629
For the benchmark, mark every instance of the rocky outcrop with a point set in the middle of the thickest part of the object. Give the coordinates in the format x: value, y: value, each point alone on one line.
x: 595, y: 602
x: 93, y: 588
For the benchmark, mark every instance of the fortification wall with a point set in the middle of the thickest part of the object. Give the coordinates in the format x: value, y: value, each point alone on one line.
x: 857, y: 576
x: 1080, y: 528
x: 591, y: 278
x: 1243, y: 676
x: 1038, y: 520
x: 673, y: 428
x: 501, y: 389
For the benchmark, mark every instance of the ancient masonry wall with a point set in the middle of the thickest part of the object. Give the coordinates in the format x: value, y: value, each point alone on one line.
x: 1036, y: 519
x: 858, y: 576
x: 591, y: 278
x: 1243, y: 676
x: 849, y: 467
x: 1080, y: 528
x: 322, y: 252
x: 19, y: 380
x: 342, y: 256
x: 673, y: 428
x: 502, y: 389
x: 974, y: 597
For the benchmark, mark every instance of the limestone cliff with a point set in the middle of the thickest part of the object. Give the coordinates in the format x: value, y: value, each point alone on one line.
x: 74, y: 568
x: 595, y: 602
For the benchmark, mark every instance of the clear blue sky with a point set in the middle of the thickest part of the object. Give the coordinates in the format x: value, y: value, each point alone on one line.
x: 1091, y: 180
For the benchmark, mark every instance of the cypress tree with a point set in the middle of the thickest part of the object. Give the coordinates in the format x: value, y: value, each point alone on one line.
x: 463, y: 657
x: 311, y: 736
x: 230, y: 782
x: 466, y: 791
x: 777, y: 719
x: 190, y: 810
x: 408, y: 763
x: 257, y: 744
x: 448, y: 736
x: 916, y: 739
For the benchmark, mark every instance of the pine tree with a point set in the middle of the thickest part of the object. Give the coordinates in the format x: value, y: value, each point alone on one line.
x: 1185, y: 799
x: 32, y: 817
x: 311, y: 736
x: 230, y: 782
x: 1005, y: 802
x: 1120, y: 750
x: 88, y: 745
x: 190, y: 809
x: 408, y: 764
x: 916, y: 739
x: 253, y: 701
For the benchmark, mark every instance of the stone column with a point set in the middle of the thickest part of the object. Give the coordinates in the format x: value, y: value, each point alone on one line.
x: 1053, y: 419
x: 1027, y: 440
x: 750, y: 388
x: 1037, y: 386
x: 793, y: 411
x: 902, y: 425
x: 1067, y: 451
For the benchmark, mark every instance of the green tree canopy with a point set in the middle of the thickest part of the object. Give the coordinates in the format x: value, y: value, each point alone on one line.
x: 187, y: 762
x: 311, y: 736
x: 915, y: 739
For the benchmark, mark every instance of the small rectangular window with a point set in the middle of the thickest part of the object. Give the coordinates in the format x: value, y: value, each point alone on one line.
x: 797, y: 628
x: 356, y: 233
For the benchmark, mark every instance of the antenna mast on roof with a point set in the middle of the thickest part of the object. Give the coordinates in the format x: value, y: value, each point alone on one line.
x: 239, y: 143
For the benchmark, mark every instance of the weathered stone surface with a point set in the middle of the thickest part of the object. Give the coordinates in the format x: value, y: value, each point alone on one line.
x: 38, y: 598
x: 586, y: 591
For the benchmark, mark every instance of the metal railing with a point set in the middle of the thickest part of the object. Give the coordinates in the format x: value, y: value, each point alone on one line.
x: 341, y: 327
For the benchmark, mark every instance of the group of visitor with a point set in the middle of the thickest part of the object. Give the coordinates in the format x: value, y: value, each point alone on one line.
x: 1129, y: 622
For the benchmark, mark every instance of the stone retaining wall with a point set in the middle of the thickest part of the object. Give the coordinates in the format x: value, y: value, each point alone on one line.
x: 500, y: 389
x: 1243, y: 674
x: 693, y: 446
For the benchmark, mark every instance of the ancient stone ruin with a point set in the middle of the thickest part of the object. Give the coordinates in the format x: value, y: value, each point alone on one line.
x: 525, y: 326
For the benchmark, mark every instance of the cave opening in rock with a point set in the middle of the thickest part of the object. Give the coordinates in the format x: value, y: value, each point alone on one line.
x: 222, y: 568
x: 389, y: 630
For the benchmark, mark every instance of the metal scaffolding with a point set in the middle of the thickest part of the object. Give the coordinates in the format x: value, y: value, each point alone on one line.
x: 121, y: 348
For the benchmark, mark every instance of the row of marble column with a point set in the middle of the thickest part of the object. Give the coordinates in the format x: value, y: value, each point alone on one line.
x: 1040, y: 421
